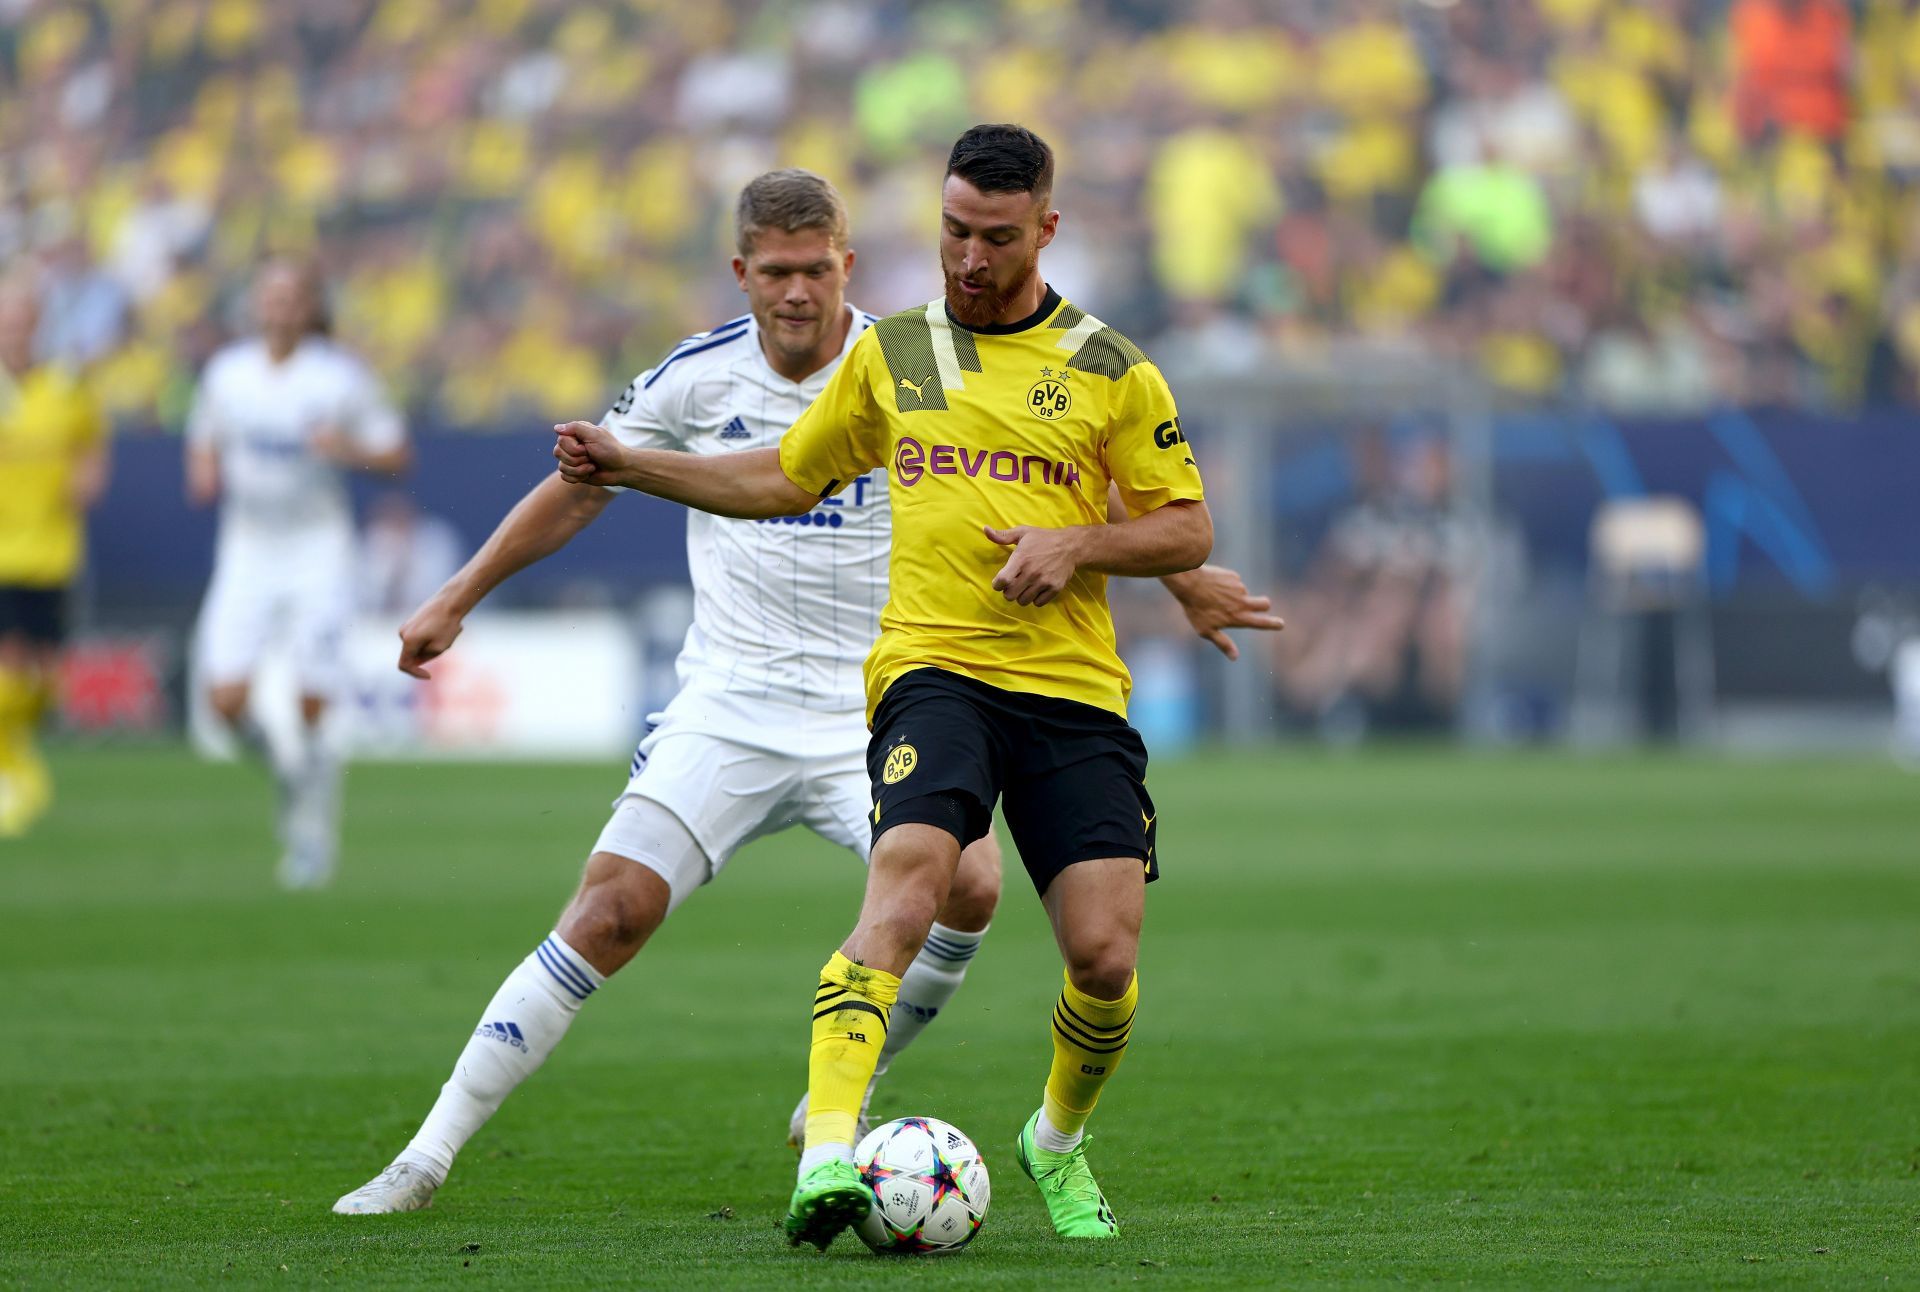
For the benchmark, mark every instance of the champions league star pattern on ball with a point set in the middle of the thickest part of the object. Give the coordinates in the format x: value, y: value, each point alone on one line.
x: 930, y: 1188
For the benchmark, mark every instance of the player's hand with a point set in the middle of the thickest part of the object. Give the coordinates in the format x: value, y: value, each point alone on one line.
x: 1042, y: 562
x: 329, y: 445
x: 427, y: 635
x: 1215, y: 599
x: 587, y: 454
x: 203, y: 477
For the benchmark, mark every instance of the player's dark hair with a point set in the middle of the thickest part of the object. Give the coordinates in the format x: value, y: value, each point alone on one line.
x: 789, y: 200
x: 1004, y: 159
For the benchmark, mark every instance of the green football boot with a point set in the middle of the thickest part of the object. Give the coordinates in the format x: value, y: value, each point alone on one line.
x: 1074, y: 1202
x: 830, y: 1198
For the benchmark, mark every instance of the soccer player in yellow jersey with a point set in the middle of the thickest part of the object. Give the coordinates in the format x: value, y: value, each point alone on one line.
x: 1004, y: 414
x: 53, y: 466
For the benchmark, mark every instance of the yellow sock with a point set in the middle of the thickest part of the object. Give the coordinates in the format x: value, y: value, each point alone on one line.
x: 19, y: 698
x: 23, y: 787
x: 40, y: 700
x: 850, y: 1014
x: 1089, y: 1040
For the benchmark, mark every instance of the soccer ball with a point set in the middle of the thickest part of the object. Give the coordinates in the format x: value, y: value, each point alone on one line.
x: 929, y: 1187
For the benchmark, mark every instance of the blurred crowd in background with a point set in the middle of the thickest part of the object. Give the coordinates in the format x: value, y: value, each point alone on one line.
x: 1654, y: 206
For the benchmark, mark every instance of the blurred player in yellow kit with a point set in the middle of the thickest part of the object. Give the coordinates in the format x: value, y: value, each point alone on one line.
x: 53, y: 466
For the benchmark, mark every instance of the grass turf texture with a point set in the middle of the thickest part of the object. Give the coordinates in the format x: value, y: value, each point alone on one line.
x: 1408, y: 1018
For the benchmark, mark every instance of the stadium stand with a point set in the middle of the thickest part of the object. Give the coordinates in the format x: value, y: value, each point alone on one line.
x: 1653, y: 207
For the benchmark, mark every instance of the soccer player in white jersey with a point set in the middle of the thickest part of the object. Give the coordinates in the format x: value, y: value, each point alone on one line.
x: 769, y: 728
x: 277, y: 423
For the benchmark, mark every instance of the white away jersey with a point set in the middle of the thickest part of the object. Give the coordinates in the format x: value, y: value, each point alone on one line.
x: 783, y: 609
x: 262, y: 418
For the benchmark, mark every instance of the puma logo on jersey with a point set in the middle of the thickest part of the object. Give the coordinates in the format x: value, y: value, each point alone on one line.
x: 907, y: 385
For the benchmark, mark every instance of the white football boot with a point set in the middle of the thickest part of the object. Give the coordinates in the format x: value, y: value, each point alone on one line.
x: 302, y: 869
x: 404, y: 1186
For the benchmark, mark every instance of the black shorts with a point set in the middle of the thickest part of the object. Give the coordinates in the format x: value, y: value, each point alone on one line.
x: 1072, y: 777
x: 37, y: 614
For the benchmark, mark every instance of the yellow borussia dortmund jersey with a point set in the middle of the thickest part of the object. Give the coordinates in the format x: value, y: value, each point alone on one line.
x: 1017, y: 425
x: 48, y: 422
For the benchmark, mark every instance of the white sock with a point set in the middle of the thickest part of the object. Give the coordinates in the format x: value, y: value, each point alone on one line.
x: 315, y: 819
x: 824, y: 1153
x: 1047, y: 1136
x: 925, y: 988
x: 524, y: 1021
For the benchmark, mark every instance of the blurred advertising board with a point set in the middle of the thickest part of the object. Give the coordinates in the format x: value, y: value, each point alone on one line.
x: 552, y: 684
x: 115, y: 684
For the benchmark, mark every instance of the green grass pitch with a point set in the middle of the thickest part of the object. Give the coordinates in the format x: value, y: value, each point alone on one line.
x: 1407, y: 1018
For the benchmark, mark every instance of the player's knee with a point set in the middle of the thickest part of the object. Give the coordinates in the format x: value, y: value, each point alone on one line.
x: 907, y: 920
x: 1103, y: 968
x: 894, y: 930
x: 619, y: 906
x: 975, y: 892
x: 229, y: 701
x: 632, y: 907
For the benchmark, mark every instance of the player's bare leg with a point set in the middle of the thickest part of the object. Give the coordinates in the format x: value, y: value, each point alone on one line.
x: 230, y: 703
x: 936, y: 971
x: 1096, y: 908
x: 619, y: 905
x: 908, y: 881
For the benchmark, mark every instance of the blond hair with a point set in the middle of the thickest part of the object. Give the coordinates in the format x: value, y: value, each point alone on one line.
x: 789, y: 200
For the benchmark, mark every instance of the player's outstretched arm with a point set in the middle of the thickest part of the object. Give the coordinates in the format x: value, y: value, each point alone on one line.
x: 539, y: 525
x: 1213, y: 597
x: 1166, y: 540
x: 337, y: 447
x: 748, y: 485
x: 203, y: 474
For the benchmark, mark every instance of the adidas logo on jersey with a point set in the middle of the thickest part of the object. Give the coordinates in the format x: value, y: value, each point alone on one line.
x: 508, y: 1033
x: 735, y: 430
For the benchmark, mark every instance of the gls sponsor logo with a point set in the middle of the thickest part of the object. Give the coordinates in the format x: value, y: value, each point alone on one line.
x: 1168, y: 434
x: 912, y: 460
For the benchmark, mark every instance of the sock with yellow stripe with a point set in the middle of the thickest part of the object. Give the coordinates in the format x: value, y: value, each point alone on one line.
x: 850, y: 1012
x: 25, y: 788
x: 18, y: 700
x: 1089, y: 1040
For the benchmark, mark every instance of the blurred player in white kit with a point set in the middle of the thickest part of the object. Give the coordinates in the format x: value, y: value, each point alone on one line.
x: 277, y: 422
x: 768, y: 730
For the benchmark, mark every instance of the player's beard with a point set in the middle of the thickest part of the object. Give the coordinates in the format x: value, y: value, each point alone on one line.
x: 796, y: 351
x: 985, y: 309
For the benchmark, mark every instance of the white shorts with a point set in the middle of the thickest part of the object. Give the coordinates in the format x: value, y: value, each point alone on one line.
x: 733, y: 770
x: 297, y: 587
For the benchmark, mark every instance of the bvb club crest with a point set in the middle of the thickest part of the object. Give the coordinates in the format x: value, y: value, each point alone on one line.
x: 1049, y: 400
x: 901, y: 760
